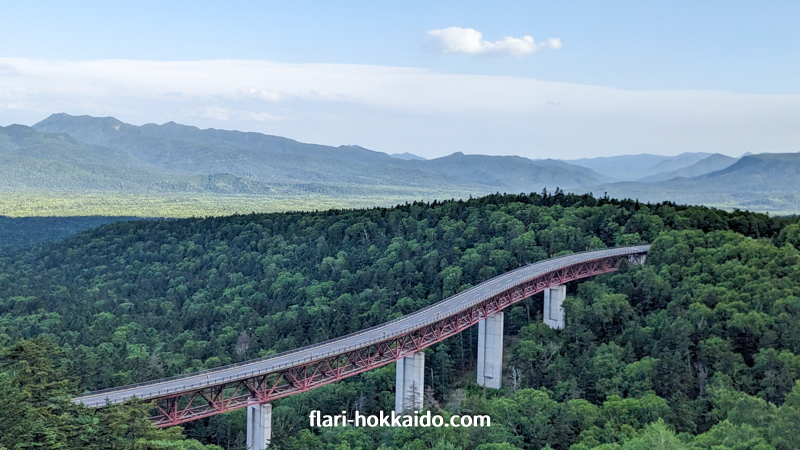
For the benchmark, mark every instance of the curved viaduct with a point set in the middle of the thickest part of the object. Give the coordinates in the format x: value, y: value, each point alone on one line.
x: 257, y: 382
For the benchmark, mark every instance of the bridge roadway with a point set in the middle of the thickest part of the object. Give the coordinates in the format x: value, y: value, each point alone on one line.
x: 363, y: 338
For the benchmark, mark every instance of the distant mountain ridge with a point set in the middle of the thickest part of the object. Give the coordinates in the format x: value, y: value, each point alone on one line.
x: 679, y: 162
x: 767, y: 169
x: 713, y: 163
x: 84, y: 152
x: 635, y: 167
x: 509, y: 170
x: 407, y: 156
x: 79, y: 154
x: 765, y: 181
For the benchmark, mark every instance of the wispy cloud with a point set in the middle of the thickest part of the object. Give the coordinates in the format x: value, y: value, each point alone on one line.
x: 258, y: 94
x: 225, y: 114
x: 398, y: 109
x: 471, y: 42
x: 7, y: 71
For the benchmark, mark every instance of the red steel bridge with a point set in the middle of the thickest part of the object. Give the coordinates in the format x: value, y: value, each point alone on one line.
x: 188, y: 397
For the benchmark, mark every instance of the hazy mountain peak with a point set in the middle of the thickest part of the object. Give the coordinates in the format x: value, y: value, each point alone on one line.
x: 407, y: 156
x: 171, y: 125
x: 64, y: 119
x: 682, y: 160
x: 92, y: 130
x: 712, y: 163
x: 634, y: 167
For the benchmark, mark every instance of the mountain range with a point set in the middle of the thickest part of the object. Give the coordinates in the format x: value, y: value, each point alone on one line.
x: 763, y: 182
x: 79, y: 154
x: 712, y: 163
x: 105, y: 153
x: 635, y: 167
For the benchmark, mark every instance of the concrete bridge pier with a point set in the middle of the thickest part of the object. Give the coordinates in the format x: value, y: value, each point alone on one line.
x: 553, y: 312
x: 638, y: 259
x: 259, y: 426
x: 409, y: 383
x: 490, y: 351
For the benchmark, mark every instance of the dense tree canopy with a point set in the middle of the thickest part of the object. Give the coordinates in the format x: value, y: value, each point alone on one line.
x: 699, y: 348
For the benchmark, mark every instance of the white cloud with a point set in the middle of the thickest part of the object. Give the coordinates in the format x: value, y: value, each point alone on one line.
x: 470, y: 41
x: 214, y: 112
x: 225, y: 114
x: 396, y: 109
x: 258, y: 94
x: 7, y: 71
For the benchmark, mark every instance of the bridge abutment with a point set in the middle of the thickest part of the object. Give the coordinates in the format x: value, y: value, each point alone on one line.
x: 409, y: 383
x: 553, y: 312
x: 490, y: 351
x: 259, y: 426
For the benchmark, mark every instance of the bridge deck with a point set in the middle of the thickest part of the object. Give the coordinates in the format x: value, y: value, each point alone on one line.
x: 447, y: 307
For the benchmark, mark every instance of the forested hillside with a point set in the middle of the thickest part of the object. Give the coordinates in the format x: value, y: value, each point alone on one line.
x: 698, y: 348
x: 21, y: 232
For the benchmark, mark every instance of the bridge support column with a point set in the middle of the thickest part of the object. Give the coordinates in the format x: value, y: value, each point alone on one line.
x: 490, y: 351
x: 259, y: 426
x: 409, y: 383
x: 553, y: 312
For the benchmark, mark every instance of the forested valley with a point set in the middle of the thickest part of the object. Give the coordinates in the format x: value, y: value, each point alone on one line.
x: 699, y: 348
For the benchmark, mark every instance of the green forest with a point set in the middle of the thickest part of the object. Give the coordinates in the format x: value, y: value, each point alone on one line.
x: 699, y: 348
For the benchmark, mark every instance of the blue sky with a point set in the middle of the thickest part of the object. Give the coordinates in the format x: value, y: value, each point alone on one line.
x: 539, y: 79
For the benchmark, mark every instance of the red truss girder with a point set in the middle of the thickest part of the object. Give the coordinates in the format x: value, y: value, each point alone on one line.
x: 207, y: 401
